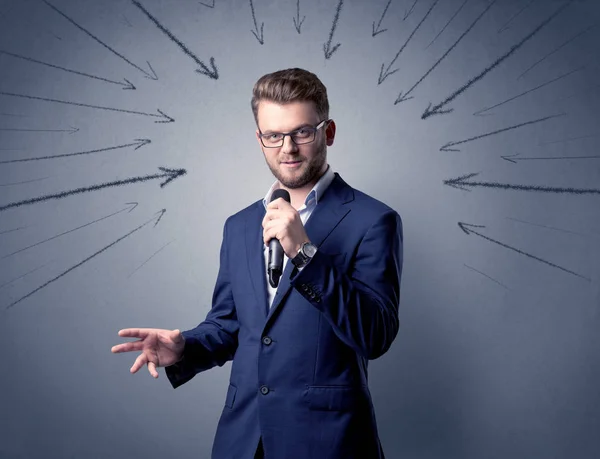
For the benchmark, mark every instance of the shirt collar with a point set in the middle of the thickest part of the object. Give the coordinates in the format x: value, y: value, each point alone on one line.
x: 315, y: 193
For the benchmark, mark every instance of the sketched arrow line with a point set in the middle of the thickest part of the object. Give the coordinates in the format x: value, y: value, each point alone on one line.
x: 558, y: 48
x: 297, y: 21
x: 56, y: 236
x: 377, y: 32
x: 126, y: 85
x: 327, y: 46
x: 404, y: 96
x: 383, y: 75
x: 515, y: 16
x: 437, y: 109
x: 204, y: 70
x: 483, y: 110
x: 569, y: 139
x: 544, y: 158
x: 170, y: 174
x: 406, y: 15
x: 256, y: 33
x: 164, y: 117
x: 161, y: 212
x: 447, y: 24
x: 451, y: 144
x: 138, y: 144
x: 210, y: 6
x: 467, y: 228
x: 70, y: 131
x: 152, y: 76
x: 461, y: 182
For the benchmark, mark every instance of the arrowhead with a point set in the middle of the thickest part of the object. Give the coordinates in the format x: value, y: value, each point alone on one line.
x: 402, y: 98
x: 166, y: 118
x: 463, y: 226
x: 142, y: 142
x: 135, y: 204
x: 128, y: 84
x: 329, y: 51
x: 458, y: 181
x: 210, y: 6
x: 376, y: 32
x: 73, y: 130
x: 436, y: 111
x: 161, y: 212
x: 154, y: 76
x: 383, y: 76
x: 260, y: 39
x: 511, y: 160
x: 213, y: 74
x: 445, y: 147
x: 172, y: 174
x: 297, y: 24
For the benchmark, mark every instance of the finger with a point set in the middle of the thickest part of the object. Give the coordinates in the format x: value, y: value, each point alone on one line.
x: 134, y: 332
x: 128, y: 347
x: 139, y: 363
x: 152, y: 369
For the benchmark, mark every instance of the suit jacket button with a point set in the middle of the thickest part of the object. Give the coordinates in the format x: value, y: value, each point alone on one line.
x: 266, y: 340
x: 264, y: 390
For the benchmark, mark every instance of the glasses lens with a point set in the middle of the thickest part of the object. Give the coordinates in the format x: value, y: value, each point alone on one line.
x: 272, y: 140
x: 305, y: 135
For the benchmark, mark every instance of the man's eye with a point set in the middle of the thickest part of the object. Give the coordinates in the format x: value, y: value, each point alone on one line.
x: 302, y: 132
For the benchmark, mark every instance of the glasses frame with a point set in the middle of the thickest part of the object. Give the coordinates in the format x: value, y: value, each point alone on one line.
x: 291, y: 133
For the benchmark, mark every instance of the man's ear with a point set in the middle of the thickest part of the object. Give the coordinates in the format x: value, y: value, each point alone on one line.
x: 329, y: 133
x: 258, y: 139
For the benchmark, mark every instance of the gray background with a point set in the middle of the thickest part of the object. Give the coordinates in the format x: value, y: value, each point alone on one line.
x: 497, y: 354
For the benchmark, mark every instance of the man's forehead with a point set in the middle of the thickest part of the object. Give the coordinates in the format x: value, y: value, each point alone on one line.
x: 278, y: 117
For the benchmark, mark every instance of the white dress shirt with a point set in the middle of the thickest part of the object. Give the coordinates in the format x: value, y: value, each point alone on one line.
x: 311, y: 201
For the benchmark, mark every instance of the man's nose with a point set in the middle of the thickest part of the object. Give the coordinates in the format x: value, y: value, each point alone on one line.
x: 288, y: 145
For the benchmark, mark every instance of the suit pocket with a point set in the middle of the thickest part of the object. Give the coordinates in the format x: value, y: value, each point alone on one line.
x: 230, y: 398
x: 333, y: 398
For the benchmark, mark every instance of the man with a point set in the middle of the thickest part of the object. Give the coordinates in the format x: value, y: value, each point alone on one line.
x: 298, y: 386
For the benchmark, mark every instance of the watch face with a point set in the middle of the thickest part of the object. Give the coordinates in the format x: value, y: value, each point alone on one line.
x: 310, y: 250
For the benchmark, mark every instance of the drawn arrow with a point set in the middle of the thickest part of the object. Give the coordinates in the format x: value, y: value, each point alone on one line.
x: 126, y: 85
x: 406, y: 15
x: 210, y: 6
x: 152, y: 76
x: 256, y: 33
x: 170, y: 174
x: 383, y: 75
x: 450, y: 144
x: 437, y: 109
x: 570, y: 139
x: 515, y: 16
x: 461, y: 182
x: 404, y: 96
x: 447, y: 24
x: 297, y: 21
x: 138, y: 144
x: 70, y: 131
x: 377, y: 32
x: 468, y: 229
x: 204, y: 70
x: 545, y: 158
x: 483, y: 110
x: 25, y: 181
x: 558, y: 48
x: 327, y: 46
x: 161, y: 212
x: 164, y: 117
x: 151, y: 256
x: 71, y: 230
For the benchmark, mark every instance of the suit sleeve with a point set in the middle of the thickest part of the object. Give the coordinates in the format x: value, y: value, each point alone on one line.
x: 214, y: 341
x: 361, y: 304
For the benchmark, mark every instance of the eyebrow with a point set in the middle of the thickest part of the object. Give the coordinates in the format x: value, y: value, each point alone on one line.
x: 295, y: 129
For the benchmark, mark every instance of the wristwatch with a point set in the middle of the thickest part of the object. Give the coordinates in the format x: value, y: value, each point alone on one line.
x: 306, y: 252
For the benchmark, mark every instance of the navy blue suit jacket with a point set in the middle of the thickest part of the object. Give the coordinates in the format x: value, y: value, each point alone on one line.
x: 299, y: 372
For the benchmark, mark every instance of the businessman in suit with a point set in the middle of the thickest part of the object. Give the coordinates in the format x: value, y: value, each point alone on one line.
x: 299, y: 381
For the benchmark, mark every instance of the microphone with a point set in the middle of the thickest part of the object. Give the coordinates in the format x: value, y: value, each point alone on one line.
x: 275, y: 266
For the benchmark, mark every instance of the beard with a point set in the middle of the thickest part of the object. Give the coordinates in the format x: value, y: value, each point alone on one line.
x: 310, y: 170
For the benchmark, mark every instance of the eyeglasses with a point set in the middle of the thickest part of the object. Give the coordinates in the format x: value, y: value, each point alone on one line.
x: 300, y: 136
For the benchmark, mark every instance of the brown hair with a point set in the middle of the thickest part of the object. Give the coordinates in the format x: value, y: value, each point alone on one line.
x: 290, y: 85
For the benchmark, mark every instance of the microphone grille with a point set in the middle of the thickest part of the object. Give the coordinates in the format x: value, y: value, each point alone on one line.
x: 280, y: 193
